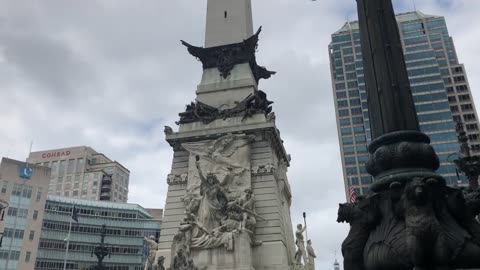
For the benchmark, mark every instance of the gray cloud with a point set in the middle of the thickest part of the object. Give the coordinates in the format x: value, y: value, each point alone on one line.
x: 111, y: 74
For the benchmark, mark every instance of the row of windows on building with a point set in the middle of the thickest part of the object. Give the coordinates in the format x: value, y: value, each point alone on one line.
x: 57, y: 265
x: 65, y: 167
x: 17, y: 233
x: 21, y: 212
x: 90, y: 229
x: 91, y: 212
x: 13, y: 255
x: 21, y: 190
x: 88, y: 248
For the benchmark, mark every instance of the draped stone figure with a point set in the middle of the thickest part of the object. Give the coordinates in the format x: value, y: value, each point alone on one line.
x: 152, y: 247
x: 213, y: 201
x: 311, y: 256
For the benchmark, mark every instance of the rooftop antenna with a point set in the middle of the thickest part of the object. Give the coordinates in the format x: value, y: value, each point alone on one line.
x: 414, y: 5
x: 29, y: 150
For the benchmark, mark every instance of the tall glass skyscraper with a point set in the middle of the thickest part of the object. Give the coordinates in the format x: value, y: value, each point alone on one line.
x: 439, y: 86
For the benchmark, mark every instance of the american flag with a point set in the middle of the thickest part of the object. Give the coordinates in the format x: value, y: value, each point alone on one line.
x: 352, y: 195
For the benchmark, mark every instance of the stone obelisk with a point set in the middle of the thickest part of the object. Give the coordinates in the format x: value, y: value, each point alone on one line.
x: 228, y: 201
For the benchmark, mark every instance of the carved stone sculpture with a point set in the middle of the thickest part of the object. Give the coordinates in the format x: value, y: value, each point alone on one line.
x: 152, y: 251
x: 311, y: 256
x: 297, y: 265
x: 179, y: 261
x: 160, y: 262
x: 168, y: 130
x: 300, y: 241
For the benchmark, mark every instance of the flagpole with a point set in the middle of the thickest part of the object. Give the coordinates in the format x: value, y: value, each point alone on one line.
x: 68, y: 239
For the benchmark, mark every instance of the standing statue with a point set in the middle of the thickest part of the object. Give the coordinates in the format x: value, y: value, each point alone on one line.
x: 301, y: 242
x: 213, y: 201
x: 247, y: 205
x: 311, y: 256
x: 298, y: 260
x: 179, y: 261
x: 160, y: 262
x: 152, y: 250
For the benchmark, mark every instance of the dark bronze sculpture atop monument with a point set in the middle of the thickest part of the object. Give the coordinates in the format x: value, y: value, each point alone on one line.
x: 253, y: 104
x: 225, y: 57
x: 101, y: 251
x: 412, y: 219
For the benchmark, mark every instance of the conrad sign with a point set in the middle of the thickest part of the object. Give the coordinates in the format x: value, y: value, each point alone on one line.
x: 56, y: 154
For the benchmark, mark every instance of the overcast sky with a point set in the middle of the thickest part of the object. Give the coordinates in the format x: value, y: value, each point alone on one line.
x: 110, y: 74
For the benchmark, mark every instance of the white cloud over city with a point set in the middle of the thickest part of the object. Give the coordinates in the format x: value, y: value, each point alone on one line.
x: 112, y: 74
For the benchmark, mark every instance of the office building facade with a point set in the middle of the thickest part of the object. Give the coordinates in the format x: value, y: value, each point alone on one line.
x: 127, y: 225
x: 24, y: 187
x: 81, y: 172
x: 439, y: 86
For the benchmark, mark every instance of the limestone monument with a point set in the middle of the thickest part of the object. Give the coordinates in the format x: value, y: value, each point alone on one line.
x: 228, y: 200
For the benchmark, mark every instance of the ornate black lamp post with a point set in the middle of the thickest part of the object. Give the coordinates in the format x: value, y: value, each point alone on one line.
x: 3, y: 208
x: 412, y: 219
x: 466, y: 163
x: 101, y: 251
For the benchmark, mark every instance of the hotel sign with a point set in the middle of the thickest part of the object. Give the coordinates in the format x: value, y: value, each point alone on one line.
x: 56, y: 154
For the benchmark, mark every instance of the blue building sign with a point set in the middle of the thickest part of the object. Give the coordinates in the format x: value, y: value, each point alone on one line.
x: 25, y: 172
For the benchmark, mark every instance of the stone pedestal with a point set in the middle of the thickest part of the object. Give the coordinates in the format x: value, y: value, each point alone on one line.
x: 220, y: 258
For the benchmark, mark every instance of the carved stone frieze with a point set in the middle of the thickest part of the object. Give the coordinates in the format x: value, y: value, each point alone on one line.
x: 263, y: 169
x: 175, y: 179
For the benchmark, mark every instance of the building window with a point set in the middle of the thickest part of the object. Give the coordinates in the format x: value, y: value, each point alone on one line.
x: 80, y: 164
x: 32, y: 235
x: 71, y: 163
x: 17, y: 190
x: 462, y: 88
x: 27, y: 256
x: 473, y: 137
x: 66, y: 193
x: 95, y: 183
x: 469, y: 117
x: 35, y: 214
x: 452, y: 99
x: 464, y: 97
x: 459, y: 79
x: 61, y: 168
x: 4, y: 187
x: 54, y: 167
x: 476, y: 147
x: 39, y: 194
x: 454, y: 108
x: 472, y: 127
x: 76, y: 185
x: 466, y: 107
x: 75, y: 193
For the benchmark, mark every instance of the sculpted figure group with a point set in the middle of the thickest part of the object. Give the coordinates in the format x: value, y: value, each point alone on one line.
x: 214, y: 215
x: 307, y: 255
